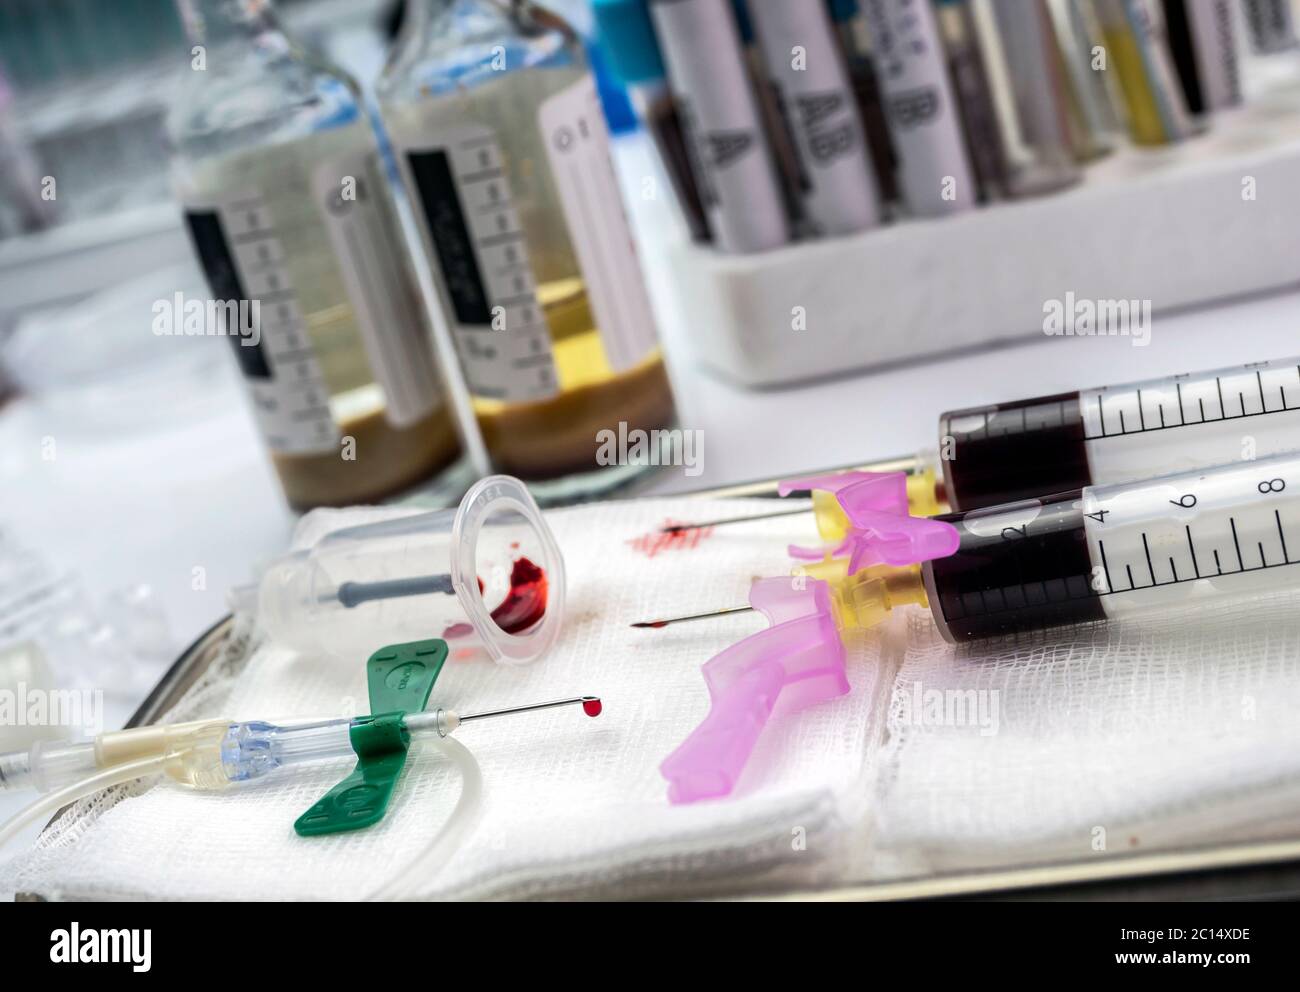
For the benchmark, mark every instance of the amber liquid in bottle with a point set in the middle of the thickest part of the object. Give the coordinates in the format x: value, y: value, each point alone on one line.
x: 289, y: 213
x: 345, y: 446
x: 505, y: 225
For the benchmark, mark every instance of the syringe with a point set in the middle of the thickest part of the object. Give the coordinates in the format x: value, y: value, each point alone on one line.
x: 1008, y: 451
x: 213, y: 754
x: 1140, y: 430
x: 1097, y: 553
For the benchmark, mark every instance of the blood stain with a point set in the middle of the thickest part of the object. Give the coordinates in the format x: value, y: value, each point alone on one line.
x: 662, y: 540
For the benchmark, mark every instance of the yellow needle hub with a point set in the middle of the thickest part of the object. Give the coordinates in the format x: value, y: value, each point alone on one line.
x: 864, y: 600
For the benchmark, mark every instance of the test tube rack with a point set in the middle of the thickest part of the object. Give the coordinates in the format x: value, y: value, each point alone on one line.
x: 1175, y: 226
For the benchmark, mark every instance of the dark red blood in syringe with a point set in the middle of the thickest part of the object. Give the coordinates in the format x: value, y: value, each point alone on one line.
x: 525, y: 603
x: 591, y: 707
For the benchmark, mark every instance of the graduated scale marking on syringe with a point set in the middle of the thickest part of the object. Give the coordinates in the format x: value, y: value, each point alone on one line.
x: 1220, y: 513
x: 1008, y: 451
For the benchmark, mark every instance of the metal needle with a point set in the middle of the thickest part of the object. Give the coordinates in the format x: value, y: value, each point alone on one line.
x: 679, y: 528
x: 589, y: 703
x: 658, y: 624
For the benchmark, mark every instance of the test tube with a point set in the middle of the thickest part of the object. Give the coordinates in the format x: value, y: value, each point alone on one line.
x: 850, y: 29
x: 1095, y: 98
x: 837, y: 187
x: 734, y: 167
x: 628, y: 38
x: 1269, y: 25
x: 1134, y: 39
x: 1203, y: 37
x: 1041, y: 93
x: 935, y: 174
x: 968, y: 68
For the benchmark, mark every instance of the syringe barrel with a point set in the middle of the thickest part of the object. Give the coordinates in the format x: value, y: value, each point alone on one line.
x: 1106, y: 552
x: 1009, y: 451
x: 451, y: 574
x: 1022, y: 566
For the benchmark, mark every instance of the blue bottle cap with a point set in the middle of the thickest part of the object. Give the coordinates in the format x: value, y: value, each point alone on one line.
x: 619, y: 113
x: 742, y: 21
x: 628, y: 38
x: 843, y: 10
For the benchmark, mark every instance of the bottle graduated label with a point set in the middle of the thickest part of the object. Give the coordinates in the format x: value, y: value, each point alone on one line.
x: 243, y: 260
x: 363, y: 233
x: 497, y: 322
x: 577, y: 147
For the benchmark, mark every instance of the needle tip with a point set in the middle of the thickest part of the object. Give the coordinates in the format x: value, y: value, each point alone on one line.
x: 650, y: 625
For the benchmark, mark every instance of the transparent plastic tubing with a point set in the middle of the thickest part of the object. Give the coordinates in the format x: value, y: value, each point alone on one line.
x: 437, y: 853
x: 53, y: 802
x: 444, y: 844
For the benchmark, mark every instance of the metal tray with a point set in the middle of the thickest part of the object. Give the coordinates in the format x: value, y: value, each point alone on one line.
x: 1228, y: 871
